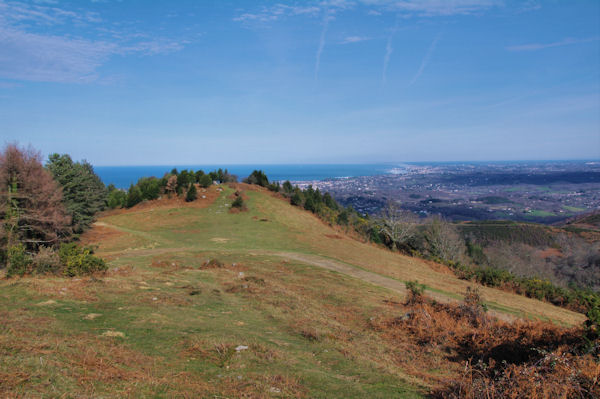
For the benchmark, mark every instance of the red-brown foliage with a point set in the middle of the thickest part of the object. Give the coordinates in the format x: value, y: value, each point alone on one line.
x: 31, y: 199
x: 489, y: 358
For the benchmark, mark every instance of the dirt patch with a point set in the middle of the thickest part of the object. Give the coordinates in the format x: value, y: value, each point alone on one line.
x: 212, y: 264
x: 161, y: 298
x: 334, y: 236
x: 220, y: 240
x: 100, y: 232
x: 81, y: 289
x: 112, y: 334
x: 47, y: 303
x: 550, y: 252
x: 168, y: 264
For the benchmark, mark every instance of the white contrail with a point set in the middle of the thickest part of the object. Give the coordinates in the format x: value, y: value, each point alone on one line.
x: 389, y: 49
x: 321, y: 44
x: 426, y: 59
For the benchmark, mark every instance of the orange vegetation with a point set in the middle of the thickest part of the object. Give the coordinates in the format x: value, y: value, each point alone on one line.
x: 481, y: 357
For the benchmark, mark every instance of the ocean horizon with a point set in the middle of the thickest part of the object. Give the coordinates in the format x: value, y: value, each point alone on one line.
x: 123, y: 176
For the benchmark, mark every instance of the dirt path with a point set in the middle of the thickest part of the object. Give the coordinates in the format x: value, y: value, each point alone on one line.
x: 373, y: 278
x: 314, y: 260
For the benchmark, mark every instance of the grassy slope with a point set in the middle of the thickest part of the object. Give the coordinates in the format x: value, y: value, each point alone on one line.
x: 158, y: 325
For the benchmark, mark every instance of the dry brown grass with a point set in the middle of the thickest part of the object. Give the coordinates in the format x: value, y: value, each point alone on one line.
x: 100, y: 233
x: 398, y: 266
x: 488, y: 358
x: 84, y: 289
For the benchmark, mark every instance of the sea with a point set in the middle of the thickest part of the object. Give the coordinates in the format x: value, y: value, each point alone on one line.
x: 123, y: 176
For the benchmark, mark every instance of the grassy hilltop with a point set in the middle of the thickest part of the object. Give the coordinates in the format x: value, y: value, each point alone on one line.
x: 200, y: 301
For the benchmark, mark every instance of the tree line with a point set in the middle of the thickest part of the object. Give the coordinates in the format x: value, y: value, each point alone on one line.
x: 174, y: 183
x: 43, y: 209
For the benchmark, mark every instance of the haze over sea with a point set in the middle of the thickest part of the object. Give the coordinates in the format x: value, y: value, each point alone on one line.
x: 123, y: 176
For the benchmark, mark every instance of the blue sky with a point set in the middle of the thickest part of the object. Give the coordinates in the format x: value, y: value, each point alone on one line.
x: 224, y: 82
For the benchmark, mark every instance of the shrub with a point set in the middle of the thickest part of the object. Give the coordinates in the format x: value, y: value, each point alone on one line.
x: 18, y: 261
x: 149, y: 187
x: 492, y: 277
x: 79, y: 261
x: 343, y: 218
x: 117, y: 199
x: 46, y: 261
x: 205, y: 181
x: 473, y: 307
x: 134, y: 196
x: 415, y: 292
x: 192, y: 194
x: 238, y: 202
x: 212, y: 264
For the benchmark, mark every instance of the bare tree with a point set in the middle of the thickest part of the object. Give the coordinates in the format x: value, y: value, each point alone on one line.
x: 31, y: 208
x: 397, y: 225
x: 171, y: 186
x: 443, y: 240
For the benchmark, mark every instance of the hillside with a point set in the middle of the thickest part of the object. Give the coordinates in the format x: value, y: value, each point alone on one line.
x: 201, y: 301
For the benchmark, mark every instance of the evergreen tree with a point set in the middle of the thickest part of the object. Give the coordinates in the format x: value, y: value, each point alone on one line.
x: 205, y: 181
x: 287, y: 187
x: 84, y: 194
x: 134, y: 196
x: 330, y: 202
x: 116, y: 199
x: 309, y: 204
x: 257, y: 177
x: 150, y: 187
x: 296, y: 197
x: 198, y: 175
x: 184, y: 179
x: 192, y: 194
x: 343, y: 218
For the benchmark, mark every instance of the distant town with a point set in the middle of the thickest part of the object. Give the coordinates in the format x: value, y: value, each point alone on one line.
x: 543, y: 192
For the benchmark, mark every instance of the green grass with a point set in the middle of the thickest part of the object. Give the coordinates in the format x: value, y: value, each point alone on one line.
x: 175, y: 325
x: 162, y: 329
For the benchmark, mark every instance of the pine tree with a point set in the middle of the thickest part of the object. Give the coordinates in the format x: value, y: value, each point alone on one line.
x: 134, y: 196
x: 192, y: 194
x: 84, y: 194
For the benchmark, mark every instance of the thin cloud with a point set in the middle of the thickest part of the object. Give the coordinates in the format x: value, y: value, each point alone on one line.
x: 34, y: 57
x: 425, y: 60
x: 432, y: 8
x: 19, y: 12
x: 389, y: 49
x: 321, y: 44
x: 25, y: 55
x: 541, y: 46
x: 422, y: 8
x: 276, y: 12
x: 354, y: 39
